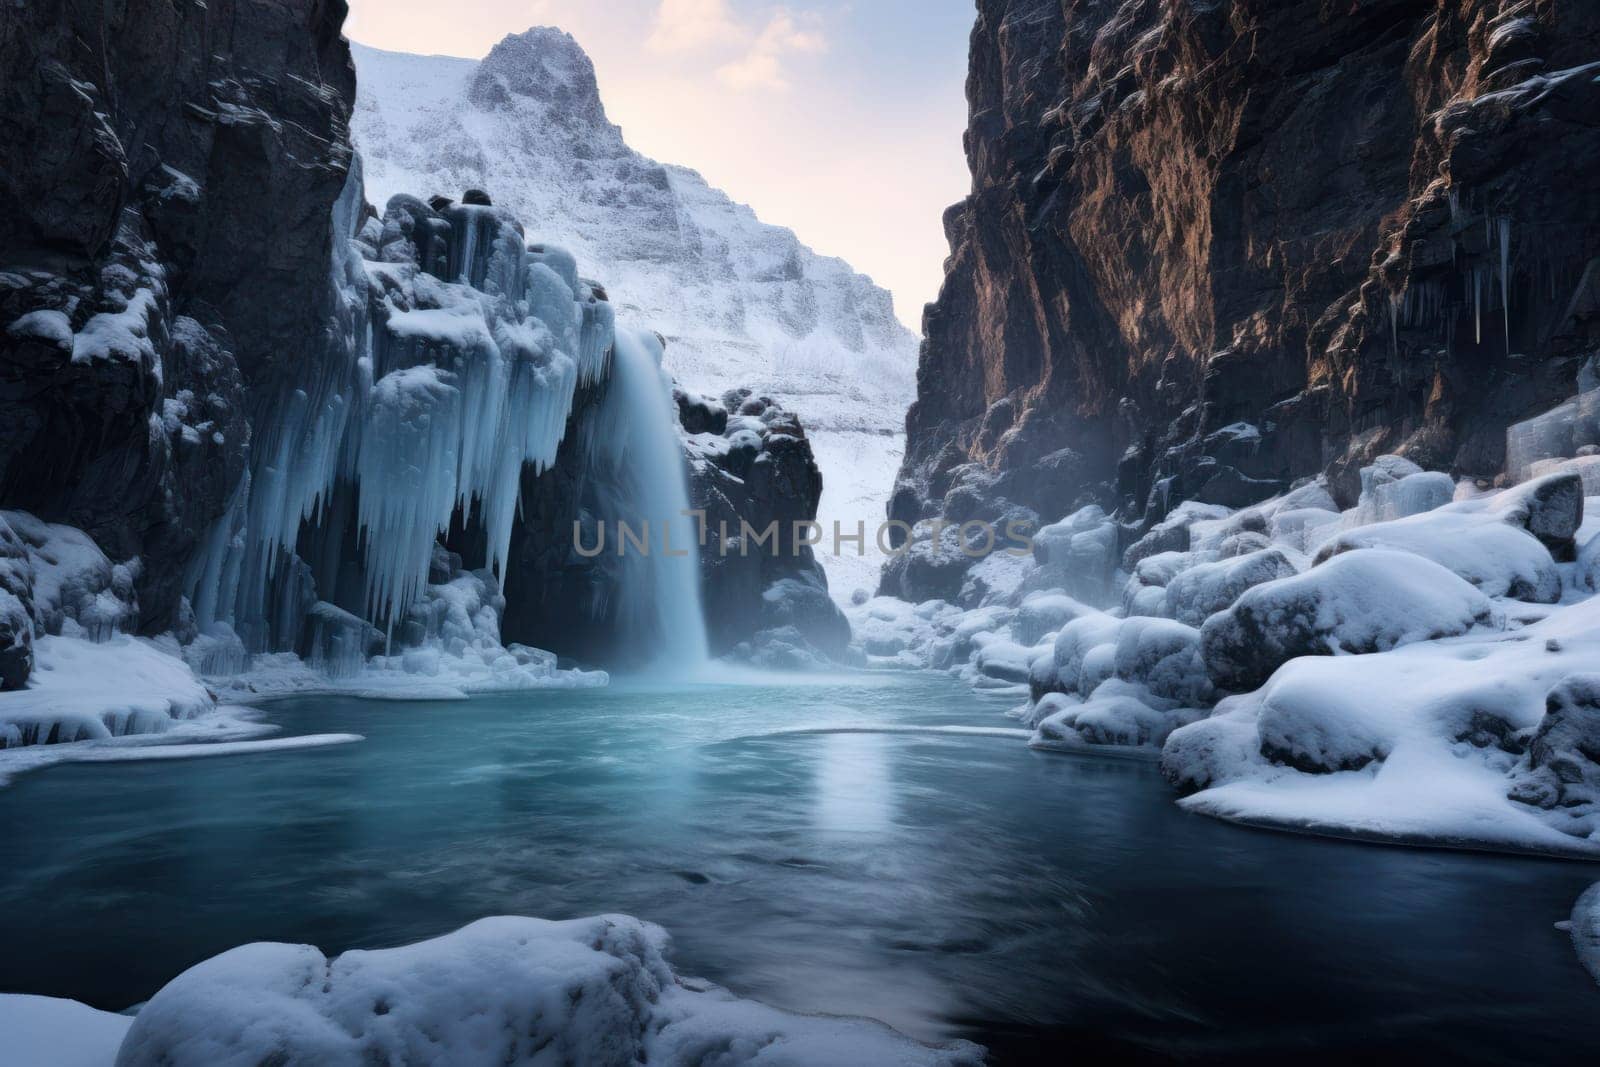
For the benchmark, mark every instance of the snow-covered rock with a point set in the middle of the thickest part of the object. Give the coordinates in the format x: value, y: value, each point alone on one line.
x: 1369, y: 600
x: 738, y: 300
x: 1500, y: 543
x: 500, y: 991
x: 1500, y: 559
x: 1196, y: 594
x: 1432, y: 742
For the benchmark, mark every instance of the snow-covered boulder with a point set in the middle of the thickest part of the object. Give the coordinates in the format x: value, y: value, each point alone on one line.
x: 1369, y: 600
x: 1196, y: 594
x: 1079, y: 554
x: 16, y: 610
x: 1085, y: 653
x: 1563, y: 763
x: 500, y: 991
x: 1042, y: 614
x: 1222, y: 748
x: 1172, y: 534
x: 74, y: 588
x: 1117, y: 715
x: 1163, y: 656
x: 1312, y: 721
x: 16, y: 642
x: 1499, y: 558
x: 1550, y: 508
x: 1145, y: 592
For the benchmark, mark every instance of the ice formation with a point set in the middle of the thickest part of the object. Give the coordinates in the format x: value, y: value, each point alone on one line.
x: 442, y: 386
x: 452, y: 369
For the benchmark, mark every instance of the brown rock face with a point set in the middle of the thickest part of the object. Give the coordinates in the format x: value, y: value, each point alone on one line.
x: 167, y: 173
x: 1213, y: 247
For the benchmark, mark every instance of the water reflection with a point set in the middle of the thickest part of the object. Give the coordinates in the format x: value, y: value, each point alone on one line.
x: 854, y: 792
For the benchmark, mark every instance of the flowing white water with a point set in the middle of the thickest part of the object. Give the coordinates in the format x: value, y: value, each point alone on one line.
x: 660, y: 594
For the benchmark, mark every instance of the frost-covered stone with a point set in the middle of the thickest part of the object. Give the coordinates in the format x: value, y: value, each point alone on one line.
x: 1196, y: 594
x: 1312, y: 722
x: 75, y: 589
x: 1117, y: 715
x: 503, y: 991
x: 1563, y: 763
x: 1163, y: 656
x: 1363, y: 601
x: 1079, y: 554
x: 1211, y: 751
x: 1077, y: 667
x: 1042, y: 614
x: 1172, y: 534
x: 1499, y: 558
x: 1550, y: 508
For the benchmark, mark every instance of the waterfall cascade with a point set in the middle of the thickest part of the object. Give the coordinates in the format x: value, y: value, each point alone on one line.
x: 637, y: 438
x: 453, y: 364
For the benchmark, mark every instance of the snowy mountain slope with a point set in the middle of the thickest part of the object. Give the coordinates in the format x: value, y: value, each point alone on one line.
x: 742, y: 303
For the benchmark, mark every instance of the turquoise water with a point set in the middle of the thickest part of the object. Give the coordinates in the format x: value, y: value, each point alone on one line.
x: 948, y: 883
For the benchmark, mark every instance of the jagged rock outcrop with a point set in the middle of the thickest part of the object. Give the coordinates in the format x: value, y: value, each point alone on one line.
x: 164, y: 255
x: 754, y: 478
x: 1212, y: 248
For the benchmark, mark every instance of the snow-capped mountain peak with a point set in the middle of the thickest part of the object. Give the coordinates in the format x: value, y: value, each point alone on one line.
x: 543, y: 66
x: 741, y: 302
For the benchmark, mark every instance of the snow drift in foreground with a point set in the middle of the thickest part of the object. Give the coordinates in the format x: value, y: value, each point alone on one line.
x: 501, y: 991
x: 1415, y: 669
x: 47, y: 1032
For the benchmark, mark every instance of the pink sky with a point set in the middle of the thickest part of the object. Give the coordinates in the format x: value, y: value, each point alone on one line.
x: 841, y: 119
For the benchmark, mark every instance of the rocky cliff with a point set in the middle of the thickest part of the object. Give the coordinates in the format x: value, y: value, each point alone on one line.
x: 1212, y: 248
x: 169, y: 173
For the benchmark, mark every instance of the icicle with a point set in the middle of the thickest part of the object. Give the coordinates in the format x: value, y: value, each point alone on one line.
x: 1477, y: 305
x: 1505, y: 276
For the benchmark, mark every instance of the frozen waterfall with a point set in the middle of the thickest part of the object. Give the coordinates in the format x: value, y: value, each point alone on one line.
x: 452, y: 365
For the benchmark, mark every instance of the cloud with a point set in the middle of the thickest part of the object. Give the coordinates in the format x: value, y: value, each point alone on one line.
x: 761, y: 67
x: 692, y: 25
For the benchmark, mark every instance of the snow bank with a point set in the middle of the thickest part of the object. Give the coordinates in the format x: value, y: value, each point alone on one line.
x: 81, y: 691
x: 501, y: 991
x: 47, y: 1032
x: 1485, y: 740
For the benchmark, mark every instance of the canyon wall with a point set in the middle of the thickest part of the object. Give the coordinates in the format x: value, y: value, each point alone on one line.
x: 169, y: 174
x: 1215, y: 247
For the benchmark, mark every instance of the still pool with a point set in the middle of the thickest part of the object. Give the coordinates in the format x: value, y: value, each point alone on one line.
x: 829, y: 845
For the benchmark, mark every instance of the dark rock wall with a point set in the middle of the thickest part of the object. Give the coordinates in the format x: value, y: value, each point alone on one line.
x: 1287, y: 213
x: 168, y: 171
x: 752, y: 467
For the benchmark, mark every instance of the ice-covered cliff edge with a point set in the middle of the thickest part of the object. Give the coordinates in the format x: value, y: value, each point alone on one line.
x: 742, y: 303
